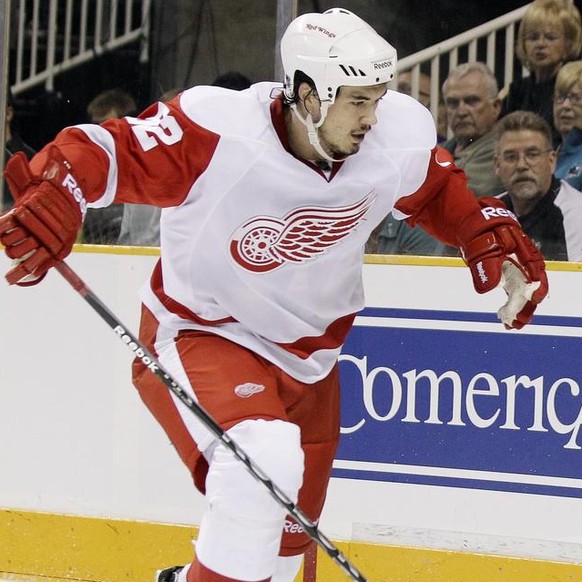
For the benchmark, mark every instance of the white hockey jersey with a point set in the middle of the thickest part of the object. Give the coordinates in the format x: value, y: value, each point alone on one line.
x: 257, y: 245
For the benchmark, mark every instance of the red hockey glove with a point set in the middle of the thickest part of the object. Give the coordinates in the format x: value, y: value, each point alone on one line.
x: 48, y: 212
x: 499, y: 253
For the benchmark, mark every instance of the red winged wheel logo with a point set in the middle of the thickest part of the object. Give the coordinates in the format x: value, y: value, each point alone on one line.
x: 265, y: 243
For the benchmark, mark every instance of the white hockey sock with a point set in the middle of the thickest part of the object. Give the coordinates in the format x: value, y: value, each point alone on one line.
x: 240, y: 532
x: 287, y: 568
x: 183, y: 574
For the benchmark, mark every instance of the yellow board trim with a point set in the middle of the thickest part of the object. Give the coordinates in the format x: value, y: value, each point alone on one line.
x: 71, y: 547
x: 368, y: 259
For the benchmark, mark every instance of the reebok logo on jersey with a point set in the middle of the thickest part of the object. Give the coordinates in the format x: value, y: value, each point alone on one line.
x: 295, y: 528
x: 265, y: 243
x: 292, y: 527
x: 247, y: 389
x: 481, y: 272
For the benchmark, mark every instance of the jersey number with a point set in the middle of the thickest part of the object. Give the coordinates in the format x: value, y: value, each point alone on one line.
x: 161, y: 128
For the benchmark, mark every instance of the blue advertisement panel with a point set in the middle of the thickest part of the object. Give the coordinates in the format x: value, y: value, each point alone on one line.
x: 453, y: 399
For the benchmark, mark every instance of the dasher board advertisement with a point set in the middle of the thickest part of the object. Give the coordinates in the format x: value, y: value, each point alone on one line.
x: 453, y: 399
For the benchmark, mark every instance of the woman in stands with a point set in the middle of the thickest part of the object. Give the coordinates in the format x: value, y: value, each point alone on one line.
x: 568, y: 120
x: 550, y: 35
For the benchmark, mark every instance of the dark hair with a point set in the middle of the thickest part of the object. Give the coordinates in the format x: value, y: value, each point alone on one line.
x: 298, y: 78
x: 118, y: 99
x: 523, y: 120
x: 232, y: 80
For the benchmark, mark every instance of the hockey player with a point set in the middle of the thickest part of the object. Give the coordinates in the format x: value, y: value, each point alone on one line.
x: 268, y: 198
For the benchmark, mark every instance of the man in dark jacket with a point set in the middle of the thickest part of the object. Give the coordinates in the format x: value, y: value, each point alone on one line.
x: 549, y: 210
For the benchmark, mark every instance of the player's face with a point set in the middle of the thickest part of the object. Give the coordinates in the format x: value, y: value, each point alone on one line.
x: 525, y: 163
x: 349, y: 119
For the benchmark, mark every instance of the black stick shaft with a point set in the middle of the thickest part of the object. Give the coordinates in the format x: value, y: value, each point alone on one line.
x: 155, y: 367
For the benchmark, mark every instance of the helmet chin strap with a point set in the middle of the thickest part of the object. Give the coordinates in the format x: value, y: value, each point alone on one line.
x: 312, y: 128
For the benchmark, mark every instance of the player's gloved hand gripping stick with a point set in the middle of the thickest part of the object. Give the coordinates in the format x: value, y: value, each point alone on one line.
x: 43, y: 225
x: 40, y: 231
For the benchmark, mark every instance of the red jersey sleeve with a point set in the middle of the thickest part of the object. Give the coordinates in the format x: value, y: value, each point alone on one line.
x: 443, y: 203
x: 151, y: 159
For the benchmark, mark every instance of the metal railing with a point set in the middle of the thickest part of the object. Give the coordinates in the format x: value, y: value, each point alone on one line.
x: 478, y: 44
x: 53, y: 36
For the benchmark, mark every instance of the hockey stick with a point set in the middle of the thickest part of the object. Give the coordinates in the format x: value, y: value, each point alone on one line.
x: 155, y: 367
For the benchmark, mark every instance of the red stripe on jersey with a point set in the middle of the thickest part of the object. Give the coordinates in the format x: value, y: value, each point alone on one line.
x: 333, y: 338
x: 157, y: 285
x: 304, y: 347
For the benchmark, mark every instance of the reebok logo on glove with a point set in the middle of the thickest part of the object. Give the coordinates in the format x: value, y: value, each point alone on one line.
x: 481, y: 272
x: 71, y: 184
x: 490, y: 212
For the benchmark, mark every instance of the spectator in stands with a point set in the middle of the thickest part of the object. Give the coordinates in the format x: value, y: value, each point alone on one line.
x: 549, y: 210
x: 470, y: 94
x: 13, y: 143
x: 396, y: 237
x: 424, y: 90
x: 103, y: 225
x: 550, y: 34
x: 140, y: 225
x: 563, y: 111
x: 568, y: 120
x: 111, y: 104
x: 405, y: 86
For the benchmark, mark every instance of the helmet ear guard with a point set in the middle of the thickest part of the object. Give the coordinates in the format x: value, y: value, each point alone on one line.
x: 333, y: 49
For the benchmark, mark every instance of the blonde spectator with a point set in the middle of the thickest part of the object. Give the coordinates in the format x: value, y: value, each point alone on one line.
x: 550, y: 34
x: 568, y: 112
x: 564, y: 114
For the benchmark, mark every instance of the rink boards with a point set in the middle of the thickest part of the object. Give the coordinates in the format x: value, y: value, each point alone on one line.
x: 460, y: 449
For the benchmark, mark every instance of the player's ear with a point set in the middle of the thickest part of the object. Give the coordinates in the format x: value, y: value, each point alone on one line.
x: 308, y: 96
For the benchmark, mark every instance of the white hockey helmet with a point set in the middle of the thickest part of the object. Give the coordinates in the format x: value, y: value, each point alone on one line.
x: 335, y: 48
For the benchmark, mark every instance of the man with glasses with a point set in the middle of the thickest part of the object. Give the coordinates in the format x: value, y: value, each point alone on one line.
x: 470, y: 94
x: 548, y: 209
